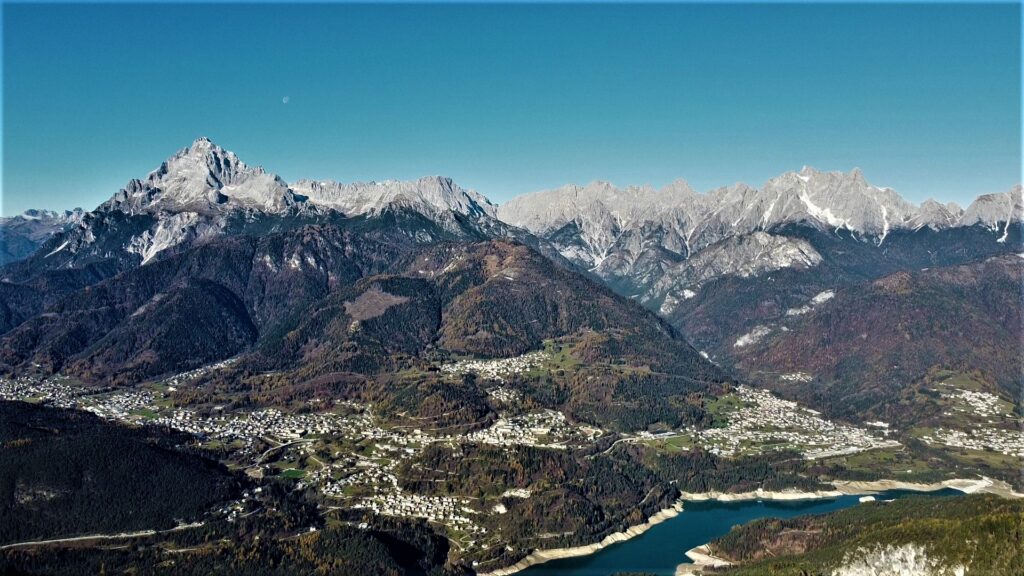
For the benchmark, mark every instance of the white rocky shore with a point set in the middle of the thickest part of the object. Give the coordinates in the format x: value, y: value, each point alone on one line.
x: 541, y: 556
x: 701, y: 556
x: 760, y: 494
x: 982, y: 485
x: 851, y: 487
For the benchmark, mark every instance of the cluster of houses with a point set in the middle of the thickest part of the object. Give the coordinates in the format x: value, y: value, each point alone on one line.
x: 379, y: 476
x: 58, y: 391
x: 1006, y: 442
x: 186, y: 377
x: 497, y: 369
x: 376, y: 472
x: 120, y: 405
x: 545, y: 428
x: 765, y: 420
x: 441, y: 509
x: 505, y: 395
x: 54, y: 390
x: 980, y: 404
x: 267, y: 423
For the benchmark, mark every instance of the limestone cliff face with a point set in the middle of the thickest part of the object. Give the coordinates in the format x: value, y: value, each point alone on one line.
x: 890, y: 560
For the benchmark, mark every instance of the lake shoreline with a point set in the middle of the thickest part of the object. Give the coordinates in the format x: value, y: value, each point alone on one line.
x: 860, y: 488
x: 702, y: 557
x: 842, y: 488
x: 542, y: 556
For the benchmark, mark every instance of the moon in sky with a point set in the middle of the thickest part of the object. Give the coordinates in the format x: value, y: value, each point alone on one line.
x: 285, y: 100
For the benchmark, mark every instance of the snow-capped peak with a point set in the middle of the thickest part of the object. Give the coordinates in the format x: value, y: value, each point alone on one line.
x: 202, y: 177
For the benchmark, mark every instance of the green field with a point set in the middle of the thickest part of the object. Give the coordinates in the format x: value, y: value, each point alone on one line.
x: 294, y: 473
x: 681, y: 443
x: 145, y: 413
x: 895, y: 463
x: 720, y: 408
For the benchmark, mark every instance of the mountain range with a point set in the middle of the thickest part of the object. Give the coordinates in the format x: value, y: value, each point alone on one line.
x: 404, y: 377
x: 22, y: 235
x: 204, y: 190
x: 207, y: 234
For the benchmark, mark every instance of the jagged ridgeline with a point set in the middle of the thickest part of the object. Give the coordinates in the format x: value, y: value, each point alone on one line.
x: 208, y: 257
x: 457, y: 383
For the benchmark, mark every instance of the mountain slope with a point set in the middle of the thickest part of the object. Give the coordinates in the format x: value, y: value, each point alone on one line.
x: 56, y: 465
x: 874, y: 339
x: 324, y: 299
x: 490, y: 299
x: 255, y: 285
x: 720, y: 308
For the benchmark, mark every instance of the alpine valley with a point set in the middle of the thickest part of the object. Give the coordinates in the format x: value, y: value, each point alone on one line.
x: 401, y: 377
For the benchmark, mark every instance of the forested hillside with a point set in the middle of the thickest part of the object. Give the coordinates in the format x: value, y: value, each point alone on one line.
x: 69, y: 473
x: 873, y: 340
x: 925, y: 535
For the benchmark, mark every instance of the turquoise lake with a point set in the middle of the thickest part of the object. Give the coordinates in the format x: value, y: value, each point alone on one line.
x: 663, y: 547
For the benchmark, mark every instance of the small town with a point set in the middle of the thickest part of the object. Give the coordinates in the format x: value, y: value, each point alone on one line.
x: 1006, y: 442
x: 497, y: 369
x: 54, y: 390
x: 367, y: 479
x: 441, y: 509
x: 545, y: 428
x: 980, y: 404
x: 765, y: 421
x: 990, y: 432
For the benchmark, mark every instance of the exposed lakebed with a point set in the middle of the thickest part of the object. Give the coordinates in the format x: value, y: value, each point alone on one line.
x: 663, y: 547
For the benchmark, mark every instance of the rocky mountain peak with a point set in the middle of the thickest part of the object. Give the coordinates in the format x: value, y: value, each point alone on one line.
x: 200, y: 178
x: 22, y: 234
x: 995, y: 211
x: 436, y: 197
x: 932, y: 214
x: 61, y: 216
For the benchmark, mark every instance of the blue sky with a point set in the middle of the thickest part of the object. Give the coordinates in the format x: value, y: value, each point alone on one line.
x: 511, y: 99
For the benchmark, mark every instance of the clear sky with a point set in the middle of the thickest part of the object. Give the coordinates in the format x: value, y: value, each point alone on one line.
x: 511, y: 99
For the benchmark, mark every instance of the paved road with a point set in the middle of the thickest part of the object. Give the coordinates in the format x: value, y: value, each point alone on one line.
x: 120, y: 536
x: 276, y: 447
